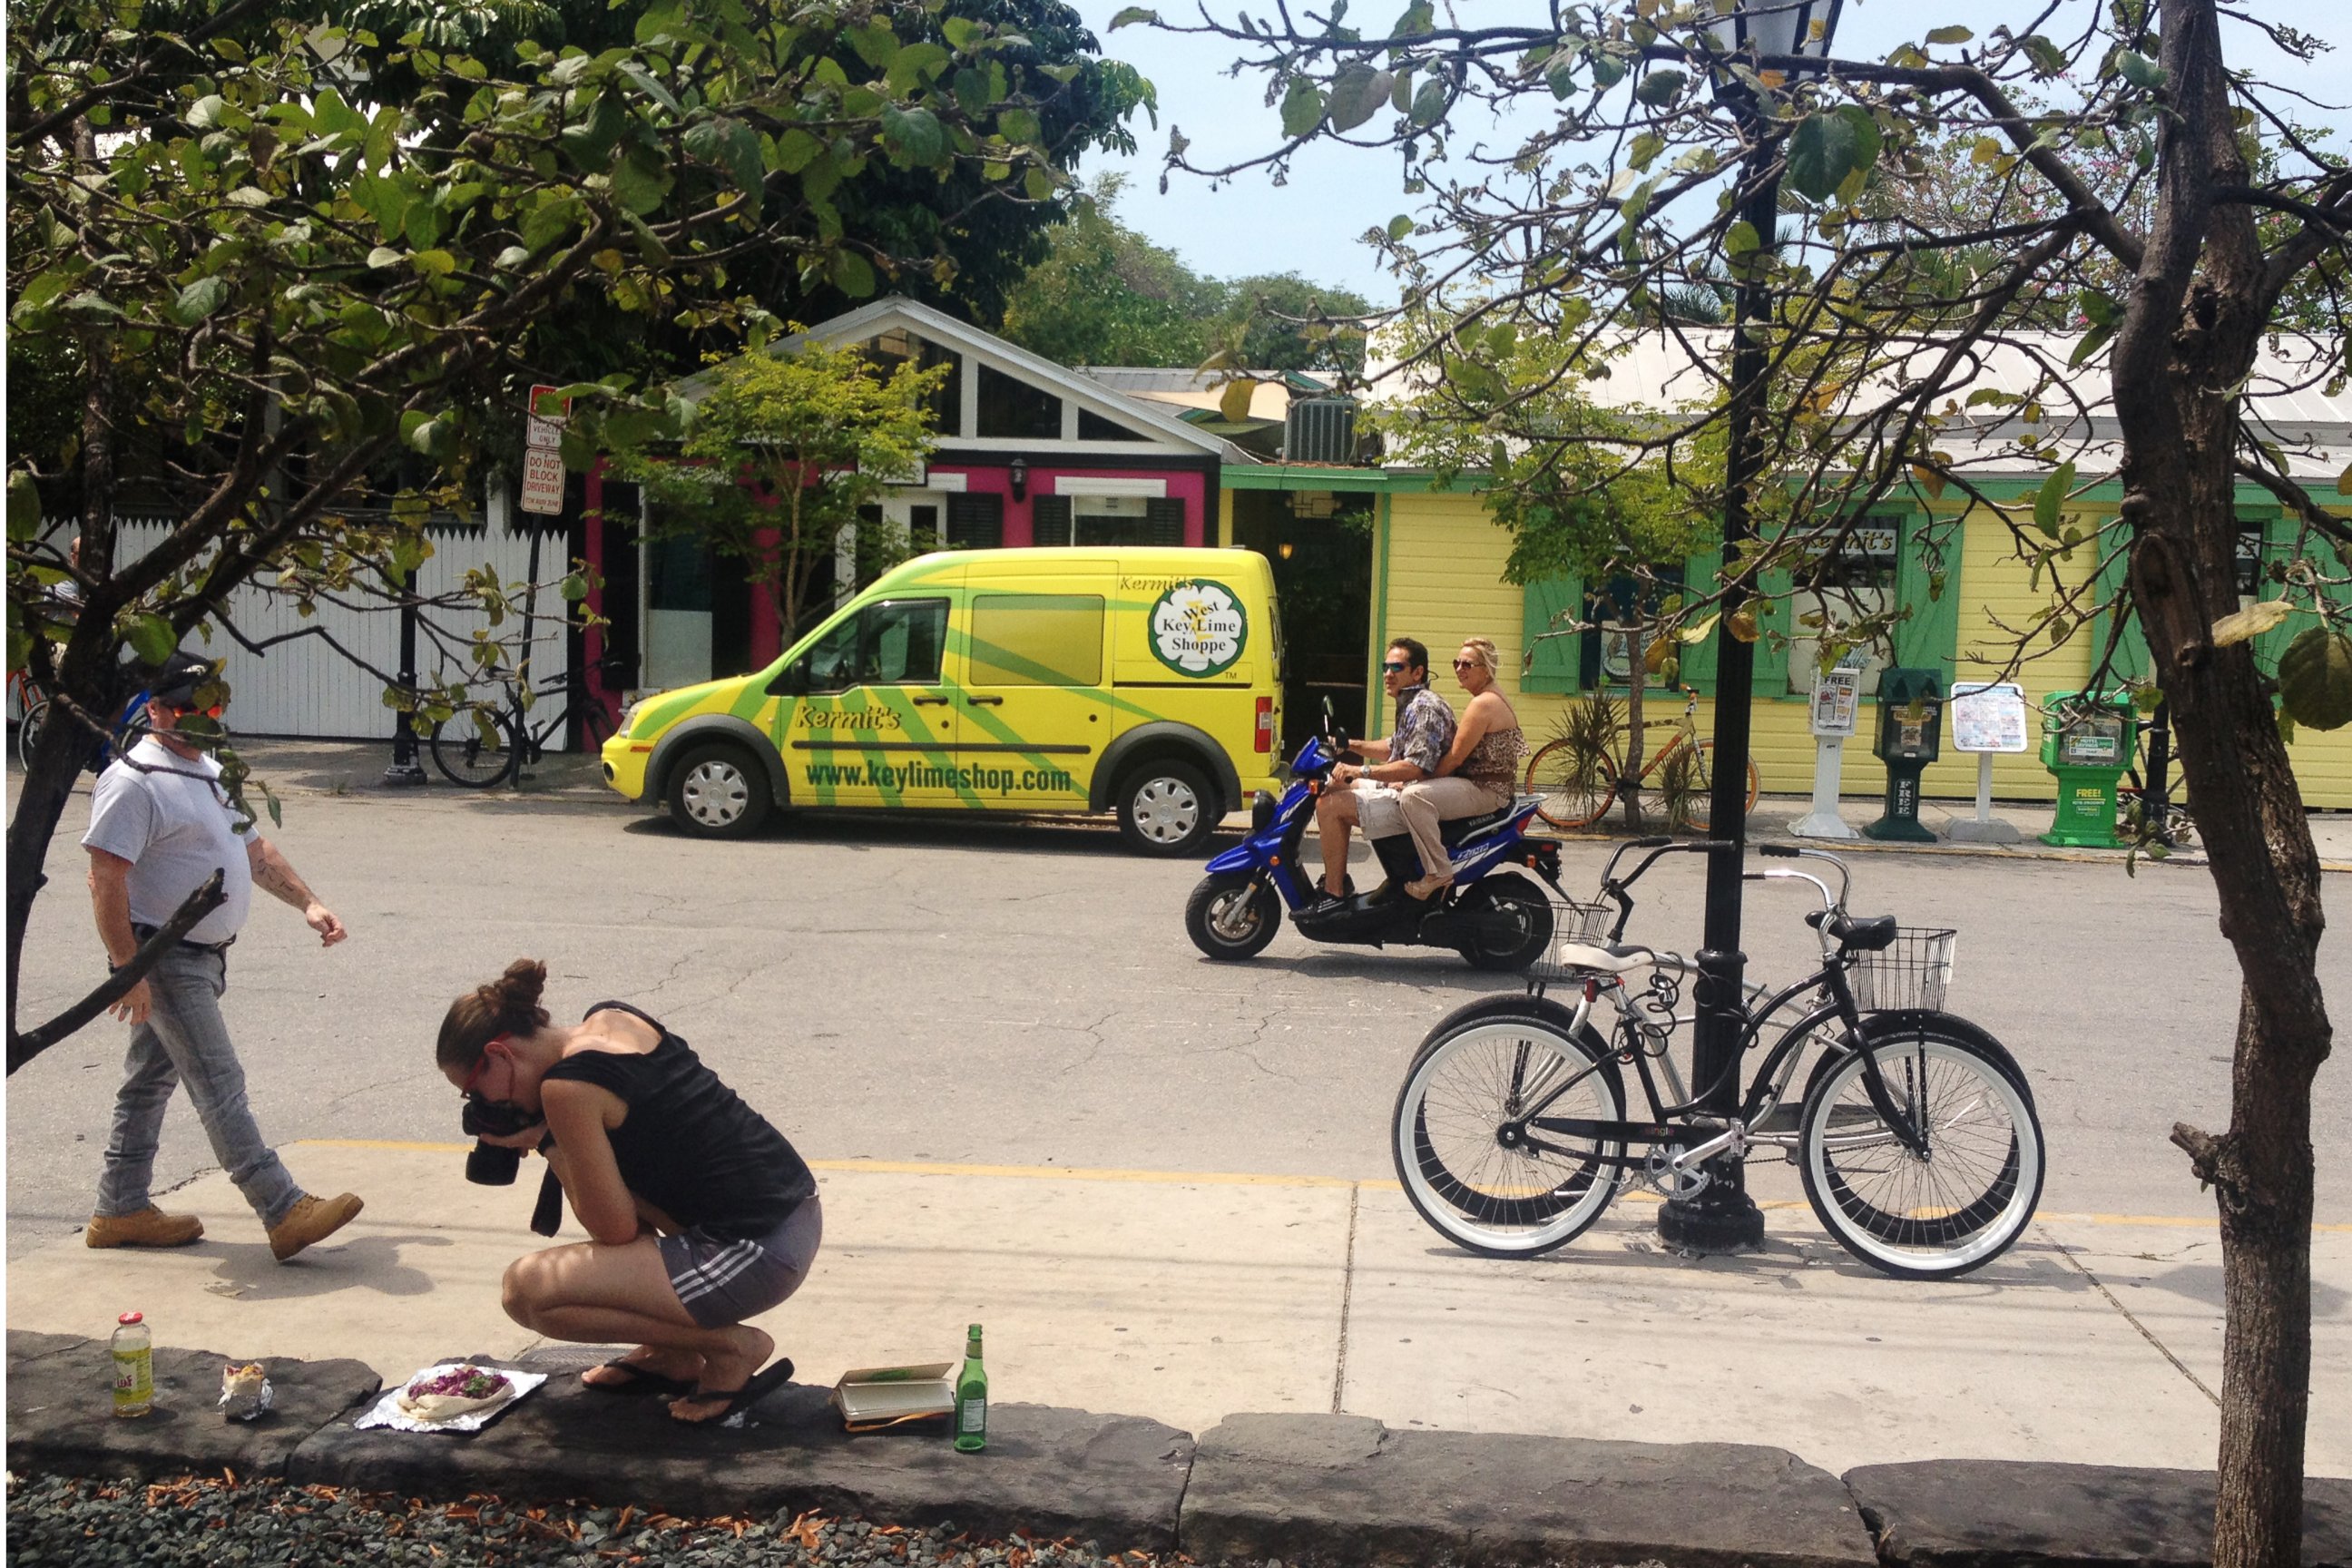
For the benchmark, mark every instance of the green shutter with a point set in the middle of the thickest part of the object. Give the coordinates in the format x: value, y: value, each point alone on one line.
x: 1929, y: 636
x: 1772, y: 621
x: 1547, y: 606
x: 2131, y: 661
x: 1698, y: 658
x: 2279, y: 533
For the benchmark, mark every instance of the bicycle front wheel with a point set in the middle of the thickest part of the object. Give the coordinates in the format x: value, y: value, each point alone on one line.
x: 1951, y: 1205
x: 477, y: 751
x: 1574, y: 791
x: 1698, y: 808
x: 1479, y: 1180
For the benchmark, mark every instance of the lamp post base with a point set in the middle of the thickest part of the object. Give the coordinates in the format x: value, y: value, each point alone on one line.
x: 404, y: 775
x: 1723, y: 1218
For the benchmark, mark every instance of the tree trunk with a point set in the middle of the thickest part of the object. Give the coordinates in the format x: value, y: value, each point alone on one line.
x: 2191, y: 329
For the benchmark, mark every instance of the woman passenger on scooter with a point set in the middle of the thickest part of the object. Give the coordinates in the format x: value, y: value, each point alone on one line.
x: 1478, y: 773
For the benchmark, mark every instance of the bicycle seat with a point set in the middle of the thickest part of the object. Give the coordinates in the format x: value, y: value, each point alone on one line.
x: 1872, y: 935
x: 1608, y: 958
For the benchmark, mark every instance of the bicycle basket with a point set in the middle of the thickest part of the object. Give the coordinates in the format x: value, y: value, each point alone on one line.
x: 1573, y: 921
x: 1914, y: 971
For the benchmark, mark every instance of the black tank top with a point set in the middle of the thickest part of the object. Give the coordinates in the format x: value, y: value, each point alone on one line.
x: 689, y: 1146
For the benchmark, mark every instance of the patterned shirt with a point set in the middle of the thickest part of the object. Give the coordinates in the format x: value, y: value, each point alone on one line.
x: 1425, y: 729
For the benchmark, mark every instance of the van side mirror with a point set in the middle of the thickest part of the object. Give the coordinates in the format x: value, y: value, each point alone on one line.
x: 792, y: 680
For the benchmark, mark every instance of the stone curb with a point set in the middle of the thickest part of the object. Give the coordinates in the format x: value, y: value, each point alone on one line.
x: 1312, y: 1489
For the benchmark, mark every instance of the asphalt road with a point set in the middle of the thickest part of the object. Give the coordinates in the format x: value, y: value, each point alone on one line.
x: 1025, y: 994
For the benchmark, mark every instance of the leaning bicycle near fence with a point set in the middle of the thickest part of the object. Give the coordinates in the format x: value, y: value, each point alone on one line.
x: 1914, y: 1130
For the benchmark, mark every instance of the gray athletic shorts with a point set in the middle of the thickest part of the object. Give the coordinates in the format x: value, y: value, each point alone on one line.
x: 723, y: 1282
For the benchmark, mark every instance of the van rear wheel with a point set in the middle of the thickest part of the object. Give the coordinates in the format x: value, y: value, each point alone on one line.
x: 1167, y: 807
x: 717, y: 791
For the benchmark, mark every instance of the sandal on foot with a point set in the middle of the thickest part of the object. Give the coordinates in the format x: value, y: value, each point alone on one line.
x: 739, y: 1400
x: 640, y: 1379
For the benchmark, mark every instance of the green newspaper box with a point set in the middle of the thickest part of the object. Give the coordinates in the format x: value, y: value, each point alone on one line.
x: 2087, y: 742
x: 1910, y: 736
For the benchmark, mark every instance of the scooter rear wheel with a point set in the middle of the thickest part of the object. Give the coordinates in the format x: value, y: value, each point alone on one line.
x: 1231, y: 916
x: 1505, y: 899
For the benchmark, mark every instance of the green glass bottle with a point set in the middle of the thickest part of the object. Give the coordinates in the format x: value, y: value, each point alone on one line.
x: 971, y: 1399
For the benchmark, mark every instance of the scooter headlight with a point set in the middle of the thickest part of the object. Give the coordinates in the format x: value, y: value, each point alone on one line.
x: 1262, y: 812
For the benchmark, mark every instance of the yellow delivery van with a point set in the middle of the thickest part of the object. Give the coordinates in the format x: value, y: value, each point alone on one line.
x: 1144, y: 681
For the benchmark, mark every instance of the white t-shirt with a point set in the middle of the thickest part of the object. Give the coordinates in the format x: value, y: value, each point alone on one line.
x: 171, y: 820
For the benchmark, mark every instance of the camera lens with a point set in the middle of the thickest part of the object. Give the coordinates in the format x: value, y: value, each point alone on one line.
x: 488, y: 1165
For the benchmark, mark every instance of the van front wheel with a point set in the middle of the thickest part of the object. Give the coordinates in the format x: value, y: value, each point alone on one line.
x: 1167, y: 807
x: 717, y: 791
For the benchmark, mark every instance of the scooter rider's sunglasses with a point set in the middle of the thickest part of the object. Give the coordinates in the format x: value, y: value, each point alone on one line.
x: 1395, y: 668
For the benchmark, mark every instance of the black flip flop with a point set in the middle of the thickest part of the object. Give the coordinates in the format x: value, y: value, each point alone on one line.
x: 642, y: 1380
x: 739, y: 1400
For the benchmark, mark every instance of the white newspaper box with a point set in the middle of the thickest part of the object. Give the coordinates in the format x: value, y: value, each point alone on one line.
x: 1988, y: 718
x: 1836, y: 705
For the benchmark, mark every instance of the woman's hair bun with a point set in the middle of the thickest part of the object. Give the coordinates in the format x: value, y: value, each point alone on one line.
x: 517, y: 991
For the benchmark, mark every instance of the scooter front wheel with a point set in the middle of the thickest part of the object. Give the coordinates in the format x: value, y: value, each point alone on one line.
x: 1232, y: 915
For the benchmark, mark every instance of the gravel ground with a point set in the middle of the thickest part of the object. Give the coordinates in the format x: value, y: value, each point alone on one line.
x: 218, y: 1523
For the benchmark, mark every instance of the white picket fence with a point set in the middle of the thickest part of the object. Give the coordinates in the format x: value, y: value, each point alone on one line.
x: 305, y: 689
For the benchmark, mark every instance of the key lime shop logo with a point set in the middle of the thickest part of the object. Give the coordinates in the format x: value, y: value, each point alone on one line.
x: 1198, y: 628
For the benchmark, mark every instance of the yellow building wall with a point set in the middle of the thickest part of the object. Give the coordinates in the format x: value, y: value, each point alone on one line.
x: 1438, y: 565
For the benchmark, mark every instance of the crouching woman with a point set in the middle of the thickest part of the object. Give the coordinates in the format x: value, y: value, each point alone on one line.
x: 700, y: 1214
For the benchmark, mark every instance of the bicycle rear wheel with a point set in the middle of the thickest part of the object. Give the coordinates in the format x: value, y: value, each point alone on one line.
x: 1575, y: 791
x: 475, y: 750
x: 1480, y: 1187
x: 1956, y: 1204
x: 1698, y: 810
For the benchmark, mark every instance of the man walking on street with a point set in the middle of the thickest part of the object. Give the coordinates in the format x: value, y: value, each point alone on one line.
x: 160, y: 825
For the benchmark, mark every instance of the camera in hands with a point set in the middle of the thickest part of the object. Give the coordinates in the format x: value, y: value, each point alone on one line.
x: 490, y: 1164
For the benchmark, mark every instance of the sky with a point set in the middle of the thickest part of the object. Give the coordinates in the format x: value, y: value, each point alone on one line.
x: 1312, y: 224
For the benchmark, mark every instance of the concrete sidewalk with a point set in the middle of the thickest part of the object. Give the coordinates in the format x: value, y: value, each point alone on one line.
x: 1184, y: 1297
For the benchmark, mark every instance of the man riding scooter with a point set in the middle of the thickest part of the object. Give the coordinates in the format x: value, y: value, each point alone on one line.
x: 1367, y: 793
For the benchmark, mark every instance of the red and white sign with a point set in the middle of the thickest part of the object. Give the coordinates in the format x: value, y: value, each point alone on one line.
x: 543, y: 466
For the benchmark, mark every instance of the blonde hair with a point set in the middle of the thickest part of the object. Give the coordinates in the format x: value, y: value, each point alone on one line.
x: 1482, y: 649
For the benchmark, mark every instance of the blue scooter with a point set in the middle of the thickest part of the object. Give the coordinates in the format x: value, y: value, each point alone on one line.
x: 1493, y: 917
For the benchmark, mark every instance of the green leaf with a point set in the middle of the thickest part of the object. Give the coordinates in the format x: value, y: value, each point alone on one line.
x: 151, y: 637
x: 1429, y: 103
x: 913, y: 136
x: 851, y: 274
x: 1419, y: 20
x: 2139, y: 70
x: 1646, y: 149
x: 1950, y: 35
x: 2343, y: 482
x: 576, y: 588
x: 1357, y: 94
x: 1741, y: 239
x: 962, y: 32
x: 1131, y: 15
x: 2051, y: 497
x: 199, y: 300
x: 24, y: 507
x: 640, y: 181
x: 1826, y: 149
x: 1660, y: 89
x: 2314, y: 678
x: 2049, y: 60
x: 1608, y: 70
x: 795, y: 150
x: 2091, y: 343
x: 1302, y: 107
x: 1400, y: 226
x: 434, y: 263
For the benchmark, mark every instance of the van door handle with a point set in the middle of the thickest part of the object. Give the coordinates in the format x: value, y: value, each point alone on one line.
x: 940, y: 701
x: 985, y: 701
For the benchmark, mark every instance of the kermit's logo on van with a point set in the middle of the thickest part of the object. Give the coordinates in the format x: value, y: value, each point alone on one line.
x: 850, y: 719
x: 1198, y: 627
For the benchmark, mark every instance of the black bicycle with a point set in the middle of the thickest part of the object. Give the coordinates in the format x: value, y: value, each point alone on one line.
x: 480, y: 748
x: 1915, y: 1132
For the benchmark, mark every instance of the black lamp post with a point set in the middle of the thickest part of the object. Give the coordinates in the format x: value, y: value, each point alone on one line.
x: 405, y: 771
x: 1721, y: 1217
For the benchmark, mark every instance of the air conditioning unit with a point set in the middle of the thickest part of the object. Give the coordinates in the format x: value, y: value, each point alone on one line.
x: 1319, y: 430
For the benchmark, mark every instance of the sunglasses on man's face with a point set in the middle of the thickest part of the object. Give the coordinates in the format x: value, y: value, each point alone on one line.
x: 1395, y: 668
x: 215, y: 712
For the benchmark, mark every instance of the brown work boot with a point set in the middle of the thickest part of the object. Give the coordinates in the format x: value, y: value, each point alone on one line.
x: 150, y: 1226
x: 309, y: 1220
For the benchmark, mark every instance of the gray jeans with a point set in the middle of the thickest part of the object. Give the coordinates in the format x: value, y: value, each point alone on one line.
x: 184, y: 1040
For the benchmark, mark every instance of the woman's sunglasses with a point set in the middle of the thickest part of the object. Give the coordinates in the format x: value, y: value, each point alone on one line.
x: 1465, y: 664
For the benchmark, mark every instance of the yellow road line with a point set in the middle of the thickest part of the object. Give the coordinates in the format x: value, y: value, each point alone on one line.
x: 1241, y: 1179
